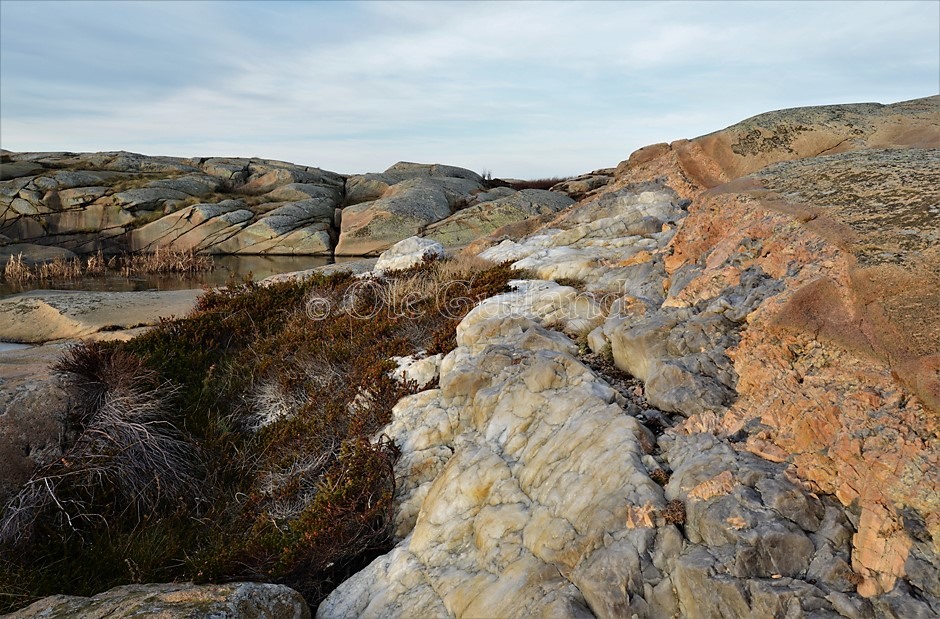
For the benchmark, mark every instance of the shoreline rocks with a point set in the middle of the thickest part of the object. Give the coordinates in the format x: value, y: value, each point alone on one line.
x: 228, y: 601
x: 114, y: 202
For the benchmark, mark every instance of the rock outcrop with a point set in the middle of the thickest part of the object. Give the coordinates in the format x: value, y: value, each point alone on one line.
x: 123, y: 201
x: 230, y: 601
x: 483, y: 218
x: 48, y: 315
x: 408, y: 253
x: 128, y: 202
x: 690, y: 166
x: 718, y: 396
x: 779, y: 339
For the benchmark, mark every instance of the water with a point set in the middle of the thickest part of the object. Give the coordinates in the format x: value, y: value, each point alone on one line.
x: 5, y: 346
x: 225, y: 267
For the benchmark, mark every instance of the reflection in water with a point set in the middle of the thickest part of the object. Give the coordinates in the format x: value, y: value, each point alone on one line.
x: 225, y: 267
x: 5, y: 346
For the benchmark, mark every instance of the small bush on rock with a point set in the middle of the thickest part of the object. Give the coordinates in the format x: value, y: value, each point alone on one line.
x: 674, y: 512
x: 660, y: 476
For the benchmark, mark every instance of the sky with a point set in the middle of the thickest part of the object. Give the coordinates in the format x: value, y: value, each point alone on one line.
x: 519, y: 89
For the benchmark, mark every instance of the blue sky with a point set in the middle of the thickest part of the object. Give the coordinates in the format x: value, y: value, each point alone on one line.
x: 521, y: 89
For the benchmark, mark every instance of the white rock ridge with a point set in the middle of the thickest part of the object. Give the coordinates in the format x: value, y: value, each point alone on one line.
x: 490, y: 519
x: 408, y: 253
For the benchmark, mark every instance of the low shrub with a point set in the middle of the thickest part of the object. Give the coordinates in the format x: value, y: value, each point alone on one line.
x: 238, y: 442
x: 660, y: 476
x: 674, y: 512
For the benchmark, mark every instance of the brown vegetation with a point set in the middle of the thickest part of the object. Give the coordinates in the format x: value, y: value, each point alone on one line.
x: 270, y: 396
x: 660, y: 476
x: 161, y: 261
x: 674, y: 512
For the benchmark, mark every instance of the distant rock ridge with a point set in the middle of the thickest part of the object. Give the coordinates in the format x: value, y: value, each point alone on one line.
x: 128, y: 202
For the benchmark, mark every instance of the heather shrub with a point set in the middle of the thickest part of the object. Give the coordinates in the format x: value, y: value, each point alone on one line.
x: 239, y: 442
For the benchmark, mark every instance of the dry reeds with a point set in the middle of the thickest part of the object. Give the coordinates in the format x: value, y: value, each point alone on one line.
x: 166, y: 261
x: 17, y: 270
x: 162, y: 261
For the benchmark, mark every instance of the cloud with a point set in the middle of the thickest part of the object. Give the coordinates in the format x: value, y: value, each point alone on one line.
x: 524, y: 89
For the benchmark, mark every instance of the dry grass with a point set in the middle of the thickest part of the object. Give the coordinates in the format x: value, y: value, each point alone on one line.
x: 166, y: 261
x: 674, y: 512
x: 275, y: 410
x: 660, y: 476
x: 17, y: 270
x: 125, y: 455
x: 162, y: 261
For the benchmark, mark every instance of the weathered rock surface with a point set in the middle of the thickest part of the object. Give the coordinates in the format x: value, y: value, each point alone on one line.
x: 484, y: 218
x: 172, y: 601
x: 754, y: 432
x: 690, y: 166
x: 33, y: 254
x: 585, y: 185
x: 123, y: 201
x: 408, y: 253
x: 404, y: 209
x: 47, y: 315
x: 32, y: 410
x: 782, y: 329
x: 128, y: 202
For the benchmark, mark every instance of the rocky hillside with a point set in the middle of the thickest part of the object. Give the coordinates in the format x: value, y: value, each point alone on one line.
x: 713, y: 392
x: 128, y: 202
x: 763, y: 440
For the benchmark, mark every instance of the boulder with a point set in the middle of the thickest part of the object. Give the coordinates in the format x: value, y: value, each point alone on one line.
x: 33, y: 254
x: 483, y: 218
x: 405, y: 210
x: 244, y: 600
x: 408, y: 253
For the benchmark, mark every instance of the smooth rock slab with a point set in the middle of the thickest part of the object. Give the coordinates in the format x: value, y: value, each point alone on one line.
x: 481, y: 219
x: 404, y: 210
x: 47, y: 315
x: 175, y: 601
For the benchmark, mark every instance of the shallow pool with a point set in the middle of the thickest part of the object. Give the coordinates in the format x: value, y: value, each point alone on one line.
x: 225, y: 267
